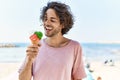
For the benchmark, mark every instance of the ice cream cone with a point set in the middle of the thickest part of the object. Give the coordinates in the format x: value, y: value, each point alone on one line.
x: 35, y: 38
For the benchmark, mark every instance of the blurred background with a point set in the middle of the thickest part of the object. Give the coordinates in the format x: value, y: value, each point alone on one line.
x: 96, y: 27
x: 95, y: 20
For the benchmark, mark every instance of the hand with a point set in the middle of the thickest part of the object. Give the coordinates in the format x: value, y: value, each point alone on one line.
x: 32, y: 51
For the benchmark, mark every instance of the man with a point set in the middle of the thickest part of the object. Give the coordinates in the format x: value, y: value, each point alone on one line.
x: 58, y: 58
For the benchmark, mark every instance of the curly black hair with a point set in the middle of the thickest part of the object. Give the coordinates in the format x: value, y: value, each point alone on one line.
x: 63, y: 12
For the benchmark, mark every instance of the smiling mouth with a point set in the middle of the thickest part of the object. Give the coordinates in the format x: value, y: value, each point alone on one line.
x: 48, y: 28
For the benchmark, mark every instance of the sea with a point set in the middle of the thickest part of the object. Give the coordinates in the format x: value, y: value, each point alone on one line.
x: 91, y: 52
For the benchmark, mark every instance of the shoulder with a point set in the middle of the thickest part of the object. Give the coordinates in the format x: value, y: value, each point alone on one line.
x: 75, y: 43
x: 77, y: 47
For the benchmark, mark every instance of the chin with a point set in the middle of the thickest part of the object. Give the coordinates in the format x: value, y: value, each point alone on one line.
x: 48, y: 35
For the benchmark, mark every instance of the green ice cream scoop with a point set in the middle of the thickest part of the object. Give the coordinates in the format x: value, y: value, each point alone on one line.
x: 39, y: 34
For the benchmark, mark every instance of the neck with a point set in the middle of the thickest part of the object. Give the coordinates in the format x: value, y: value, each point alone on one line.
x: 58, y: 41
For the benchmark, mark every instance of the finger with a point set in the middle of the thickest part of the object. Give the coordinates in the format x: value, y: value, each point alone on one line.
x: 32, y: 50
x: 32, y: 47
x: 36, y: 47
x: 30, y: 54
x: 39, y: 45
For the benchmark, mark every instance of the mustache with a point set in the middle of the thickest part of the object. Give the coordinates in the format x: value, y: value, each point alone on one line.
x: 47, y: 25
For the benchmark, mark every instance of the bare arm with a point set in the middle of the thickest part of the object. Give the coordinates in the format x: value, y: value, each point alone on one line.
x: 26, y: 72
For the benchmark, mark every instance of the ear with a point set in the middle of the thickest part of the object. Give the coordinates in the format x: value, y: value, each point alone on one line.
x: 62, y: 25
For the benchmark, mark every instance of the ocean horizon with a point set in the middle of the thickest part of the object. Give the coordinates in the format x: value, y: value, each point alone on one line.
x: 91, y: 51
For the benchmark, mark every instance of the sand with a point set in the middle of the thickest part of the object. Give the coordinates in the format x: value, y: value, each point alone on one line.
x: 106, y: 71
x: 9, y: 71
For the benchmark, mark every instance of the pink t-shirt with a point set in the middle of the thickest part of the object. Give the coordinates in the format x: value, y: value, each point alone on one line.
x: 64, y: 63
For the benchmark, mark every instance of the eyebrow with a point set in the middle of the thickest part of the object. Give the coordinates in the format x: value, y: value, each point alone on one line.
x: 54, y: 18
x: 51, y: 17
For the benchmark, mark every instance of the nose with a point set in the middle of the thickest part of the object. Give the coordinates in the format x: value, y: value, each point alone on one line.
x: 47, y: 22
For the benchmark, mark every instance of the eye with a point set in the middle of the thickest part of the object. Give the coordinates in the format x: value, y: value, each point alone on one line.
x: 45, y: 19
x: 53, y: 21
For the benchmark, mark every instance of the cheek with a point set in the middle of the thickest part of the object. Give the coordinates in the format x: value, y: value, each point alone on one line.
x: 44, y: 24
x: 59, y: 28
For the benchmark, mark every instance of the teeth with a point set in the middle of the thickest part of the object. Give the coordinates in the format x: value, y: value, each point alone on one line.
x: 48, y: 28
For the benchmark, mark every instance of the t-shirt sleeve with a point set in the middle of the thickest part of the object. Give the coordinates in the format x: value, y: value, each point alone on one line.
x: 78, y: 71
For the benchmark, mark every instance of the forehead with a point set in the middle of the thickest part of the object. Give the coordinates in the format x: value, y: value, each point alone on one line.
x: 51, y: 13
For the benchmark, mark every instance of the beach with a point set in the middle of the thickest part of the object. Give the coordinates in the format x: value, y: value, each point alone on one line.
x: 9, y: 71
x: 95, y: 54
x: 105, y: 71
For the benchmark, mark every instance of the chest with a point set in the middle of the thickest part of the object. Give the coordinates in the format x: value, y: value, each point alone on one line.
x: 57, y: 59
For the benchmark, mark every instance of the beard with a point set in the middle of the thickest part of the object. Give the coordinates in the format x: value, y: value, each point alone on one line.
x: 52, y: 32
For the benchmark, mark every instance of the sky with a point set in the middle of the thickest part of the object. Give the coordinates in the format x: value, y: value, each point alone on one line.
x: 95, y: 20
